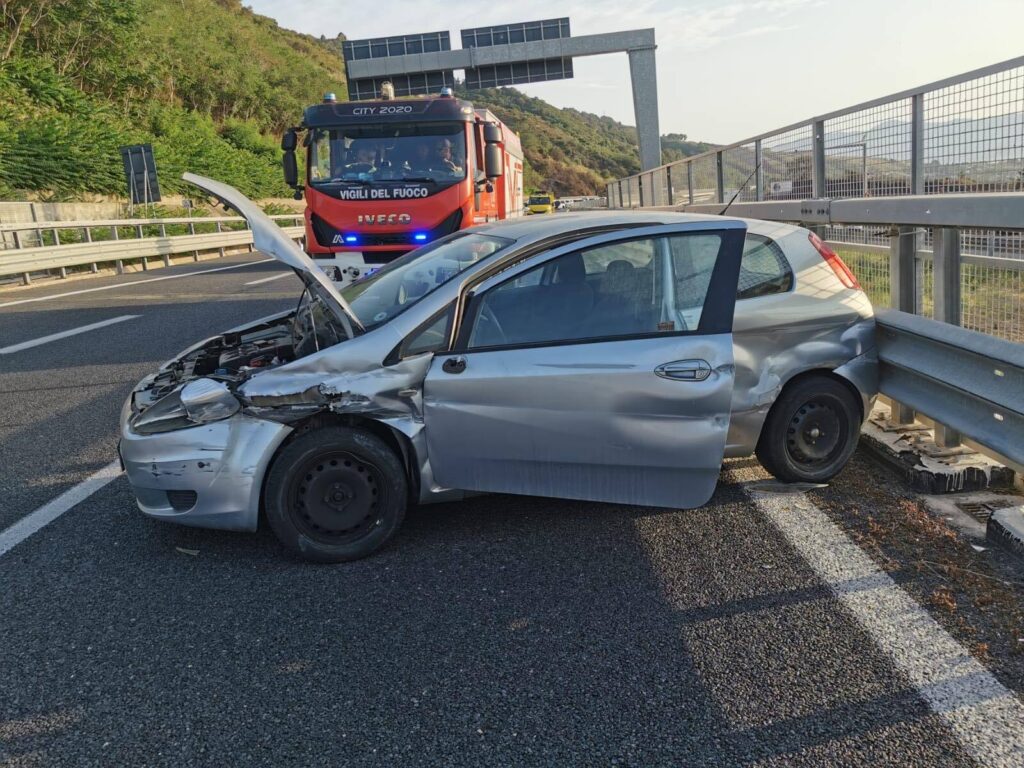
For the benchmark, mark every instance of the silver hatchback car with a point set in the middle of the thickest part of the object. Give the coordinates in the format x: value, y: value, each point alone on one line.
x: 615, y: 357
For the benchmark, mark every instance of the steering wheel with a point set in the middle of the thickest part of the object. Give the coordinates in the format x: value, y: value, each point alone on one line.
x: 487, y: 315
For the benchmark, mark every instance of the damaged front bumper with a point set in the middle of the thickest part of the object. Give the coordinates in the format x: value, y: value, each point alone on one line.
x: 208, y: 476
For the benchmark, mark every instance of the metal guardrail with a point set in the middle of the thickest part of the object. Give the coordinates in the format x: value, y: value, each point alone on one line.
x: 955, y: 288
x: 102, y: 242
x: 968, y: 381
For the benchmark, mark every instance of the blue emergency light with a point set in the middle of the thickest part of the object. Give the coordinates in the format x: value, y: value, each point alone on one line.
x: 419, y: 237
x: 350, y: 239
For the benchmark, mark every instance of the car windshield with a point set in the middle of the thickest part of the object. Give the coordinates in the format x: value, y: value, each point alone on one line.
x: 431, y: 152
x: 539, y: 201
x: 390, y: 291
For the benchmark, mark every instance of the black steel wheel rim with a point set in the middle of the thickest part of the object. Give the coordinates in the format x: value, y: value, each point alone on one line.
x: 336, y: 497
x: 816, y: 433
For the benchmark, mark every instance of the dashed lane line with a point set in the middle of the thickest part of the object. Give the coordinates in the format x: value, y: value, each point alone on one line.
x: 984, y: 716
x: 46, y: 514
x: 65, y: 334
x: 133, y: 282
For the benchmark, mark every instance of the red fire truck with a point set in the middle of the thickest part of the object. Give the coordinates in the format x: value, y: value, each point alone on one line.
x: 384, y: 177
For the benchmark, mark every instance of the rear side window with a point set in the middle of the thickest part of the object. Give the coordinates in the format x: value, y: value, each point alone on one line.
x: 763, y: 270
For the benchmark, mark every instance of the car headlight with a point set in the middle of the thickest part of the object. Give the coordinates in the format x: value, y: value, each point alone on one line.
x: 198, y: 402
x: 208, y: 400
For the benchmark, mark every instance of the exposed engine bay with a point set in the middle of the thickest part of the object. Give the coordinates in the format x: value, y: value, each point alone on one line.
x: 234, y: 356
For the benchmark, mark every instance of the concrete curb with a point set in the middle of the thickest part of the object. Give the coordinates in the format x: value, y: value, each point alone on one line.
x: 904, y: 452
x: 1006, y: 528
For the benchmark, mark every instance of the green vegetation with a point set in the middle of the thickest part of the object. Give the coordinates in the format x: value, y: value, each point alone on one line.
x: 211, y: 85
x: 572, y: 152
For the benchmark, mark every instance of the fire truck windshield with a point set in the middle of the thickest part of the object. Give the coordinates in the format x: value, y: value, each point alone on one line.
x: 361, y: 154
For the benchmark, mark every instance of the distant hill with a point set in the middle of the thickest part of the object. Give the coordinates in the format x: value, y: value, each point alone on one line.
x: 569, y: 152
x: 211, y: 85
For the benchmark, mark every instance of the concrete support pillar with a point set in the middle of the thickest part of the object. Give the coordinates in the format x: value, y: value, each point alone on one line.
x: 644, y: 77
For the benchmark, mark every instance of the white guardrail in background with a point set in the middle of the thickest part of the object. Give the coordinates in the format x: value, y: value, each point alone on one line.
x: 36, y: 247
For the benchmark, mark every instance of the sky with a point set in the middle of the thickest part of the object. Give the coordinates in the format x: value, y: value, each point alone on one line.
x: 727, y: 70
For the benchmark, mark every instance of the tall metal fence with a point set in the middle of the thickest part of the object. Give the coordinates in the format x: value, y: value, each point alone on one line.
x: 961, y: 135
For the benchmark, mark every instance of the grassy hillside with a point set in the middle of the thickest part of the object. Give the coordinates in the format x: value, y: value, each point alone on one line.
x: 211, y: 84
x: 570, y: 152
x: 567, y: 151
x: 208, y: 82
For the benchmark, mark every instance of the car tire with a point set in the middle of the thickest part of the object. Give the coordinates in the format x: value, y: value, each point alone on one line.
x: 335, y: 494
x: 811, y: 431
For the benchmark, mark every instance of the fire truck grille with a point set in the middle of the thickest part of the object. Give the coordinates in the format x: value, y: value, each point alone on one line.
x: 327, y: 235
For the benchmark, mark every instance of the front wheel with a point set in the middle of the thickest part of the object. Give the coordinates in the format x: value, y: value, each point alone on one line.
x: 335, y: 494
x: 811, y: 431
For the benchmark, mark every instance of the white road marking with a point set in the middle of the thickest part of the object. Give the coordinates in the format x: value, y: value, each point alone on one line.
x: 134, y: 282
x: 47, y: 513
x: 268, y: 279
x: 64, y: 334
x: 984, y: 716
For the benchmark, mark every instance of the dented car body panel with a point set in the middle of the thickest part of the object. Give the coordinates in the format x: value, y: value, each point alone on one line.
x: 595, y: 419
x: 222, y: 464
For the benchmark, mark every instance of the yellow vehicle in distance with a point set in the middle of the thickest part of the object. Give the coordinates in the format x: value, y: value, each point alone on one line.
x: 540, y: 202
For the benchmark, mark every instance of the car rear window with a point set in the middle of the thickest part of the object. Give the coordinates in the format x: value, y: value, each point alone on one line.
x: 764, y: 269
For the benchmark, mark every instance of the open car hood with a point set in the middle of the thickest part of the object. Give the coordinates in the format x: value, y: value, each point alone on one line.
x: 269, y: 239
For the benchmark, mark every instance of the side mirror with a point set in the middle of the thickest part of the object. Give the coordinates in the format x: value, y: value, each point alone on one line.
x: 494, y: 161
x: 291, y: 169
x: 492, y: 133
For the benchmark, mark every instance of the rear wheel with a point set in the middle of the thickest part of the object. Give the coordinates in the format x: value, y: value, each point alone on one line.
x: 335, y: 494
x: 811, y: 431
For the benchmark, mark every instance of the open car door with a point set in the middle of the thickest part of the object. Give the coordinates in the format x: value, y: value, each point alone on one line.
x: 601, y: 370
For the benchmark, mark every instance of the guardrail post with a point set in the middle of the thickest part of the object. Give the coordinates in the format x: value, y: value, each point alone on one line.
x: 903, y: 292
x: 63, y: 272
x: 221, y: 249
x: 758, y: 171
x: 26, y: 278
x: 946, y: 266
x: 192, y: 231
x: 163, y: 233
x: 138, y: 234
x: 689, y: 182
x: 118, y: 264
x: 668, y: 185
x: 88, y: 239
x: 818, y: 160
x: 719, y: 178
x: 17, y: 239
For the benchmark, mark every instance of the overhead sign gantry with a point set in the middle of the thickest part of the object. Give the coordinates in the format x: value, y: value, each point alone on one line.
x: 508, y: 54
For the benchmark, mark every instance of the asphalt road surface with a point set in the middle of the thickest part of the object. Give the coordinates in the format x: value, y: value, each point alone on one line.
x: 496, y: 631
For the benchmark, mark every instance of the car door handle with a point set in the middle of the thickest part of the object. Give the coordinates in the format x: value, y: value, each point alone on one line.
x: 454, y: 365
x: 685, y: 370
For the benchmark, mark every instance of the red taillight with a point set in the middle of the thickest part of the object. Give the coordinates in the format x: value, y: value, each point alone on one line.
x: 846, y: 277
